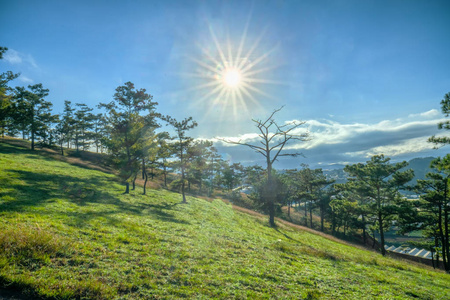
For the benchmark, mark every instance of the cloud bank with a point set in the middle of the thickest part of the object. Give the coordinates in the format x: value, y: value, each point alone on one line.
x: 333, y: 143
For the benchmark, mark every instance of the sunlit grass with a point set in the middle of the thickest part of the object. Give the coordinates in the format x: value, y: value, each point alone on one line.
x: 68, y: 232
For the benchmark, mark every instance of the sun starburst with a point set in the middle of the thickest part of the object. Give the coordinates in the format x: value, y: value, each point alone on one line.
x: 232, y: 78
x: 233, y: 75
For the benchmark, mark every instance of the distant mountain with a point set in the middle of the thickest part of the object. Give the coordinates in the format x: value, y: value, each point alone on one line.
x: 420, y: 165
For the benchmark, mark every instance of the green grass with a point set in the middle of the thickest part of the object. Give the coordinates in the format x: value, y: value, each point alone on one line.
x: 69, y: 233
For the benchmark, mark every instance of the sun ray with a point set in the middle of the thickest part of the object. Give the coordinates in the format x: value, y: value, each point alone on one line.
x: 219, y: 49
x: 211, y: 93
x: 219, y: 96
x: 196, y: 75
x: 241, y: 100
x: 259, y: 59
x: 205, y: 65
x: 203, y: 86
x: 233, y: 98
x: 256, y: 80
x: 242, y: 42
x: 254, y: 46
x: 209, y: 56
x: 251, y: 73
x: 256, y: 90
x: 250, y: 96
x: 215, y: 102
x: 230, y: 55
x: 233, y: 73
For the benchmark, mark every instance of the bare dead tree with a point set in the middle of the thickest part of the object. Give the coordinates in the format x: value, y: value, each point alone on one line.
x: 274, y: 138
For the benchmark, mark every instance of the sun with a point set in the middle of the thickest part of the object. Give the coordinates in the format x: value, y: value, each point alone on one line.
x: 232, y: 74
x: 232, y: 78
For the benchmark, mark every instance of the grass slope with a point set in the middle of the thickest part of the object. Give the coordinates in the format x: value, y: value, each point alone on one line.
x: 68, y: 233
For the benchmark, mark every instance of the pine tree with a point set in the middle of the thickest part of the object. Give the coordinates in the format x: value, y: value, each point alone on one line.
x: 382, y: 182
x: 130, y: 117
x: 180, y: 146
x: 6, y: 98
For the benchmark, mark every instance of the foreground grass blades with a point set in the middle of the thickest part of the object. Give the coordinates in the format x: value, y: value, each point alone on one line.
x: 68, y: 233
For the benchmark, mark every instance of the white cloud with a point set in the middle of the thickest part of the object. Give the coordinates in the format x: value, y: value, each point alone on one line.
x: 13, y: 57
x: 414, y: 145
x: 432, y: 113
x: 31, y: 61
x: 327, y: 132
x: 25, y: 79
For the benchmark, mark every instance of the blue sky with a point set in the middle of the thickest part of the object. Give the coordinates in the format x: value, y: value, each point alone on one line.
x: 366, y: 76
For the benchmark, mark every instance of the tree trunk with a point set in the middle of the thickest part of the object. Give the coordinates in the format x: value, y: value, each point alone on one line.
x: 441, y: 232
x: 134, y: 182
x: 333, y: 223
x: 380, y: 221
x: 322, y: 213
x: 380, y: 224
x: 33, y: 128
x: 165, y: 177
x: 32, y: 140
x: 447, y: 242
x: 432, y: 260
x: 182, y: 175
x: 436, y: 245
x: 270, y: 194
x: 310, y: 216
x: 145, y: 182
x: 271, y: 213
x: 306, y: 215
x: 127, y: 188
x: 182, y: 189
x: 364, y: 229
x: 77, y: 146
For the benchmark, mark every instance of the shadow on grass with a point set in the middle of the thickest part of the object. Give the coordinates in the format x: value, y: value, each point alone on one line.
x: 39, y: 157
x: 160, y: 211
x: 287, y: 236
x: 39, y: 189
x: 6, y: 148
x: 306, y: 249
x: 13, y: 290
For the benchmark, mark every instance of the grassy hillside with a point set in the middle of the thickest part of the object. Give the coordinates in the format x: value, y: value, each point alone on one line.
x: 67, y: 232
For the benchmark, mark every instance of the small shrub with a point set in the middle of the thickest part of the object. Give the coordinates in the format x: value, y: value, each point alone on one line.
x: 312, y: 294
